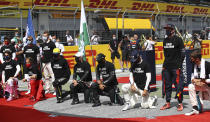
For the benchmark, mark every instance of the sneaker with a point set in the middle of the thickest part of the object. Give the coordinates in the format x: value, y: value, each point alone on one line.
x: 166, y: 106
x: 9, y: 99
x: 59, y: 100
x: 127, y: 107
x: 75, y: 102
x: 54, y: 93
x: 47, y: 91
x: 193, y: 112
x: 29, y: 91
x: 180, y: 107
x: 96, y: 104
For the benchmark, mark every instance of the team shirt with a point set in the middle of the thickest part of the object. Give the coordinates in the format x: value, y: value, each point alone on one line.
x: 47, y: 51
x: 173, y: 48
x: 139, y: 71
x: 60, y: 68
x: 114, y: 44
x: 33, y: 70
x: 106, y: 70
x: 80, y: 70
x: 9, y: 68
x: 31, y: 51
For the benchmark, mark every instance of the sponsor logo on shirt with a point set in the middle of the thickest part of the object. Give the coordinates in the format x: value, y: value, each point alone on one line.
x: 7, y: 50
x: 8, y: 67
x: 79, y: 70
x: 169, y: 45
x: 46, y: 48
x: 138, y: 70
x: 57, y: 66
x: 29, y: 51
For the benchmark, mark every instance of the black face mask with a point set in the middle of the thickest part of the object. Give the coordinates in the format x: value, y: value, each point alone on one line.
x: 77, y: 60
x: 56, y: 56
x: 101, y: 62
x: 7, y: 58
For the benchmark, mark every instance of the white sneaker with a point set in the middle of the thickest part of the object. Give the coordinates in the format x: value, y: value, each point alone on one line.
x: 29, y: 91
x: 193, y: 112
x: 47, y: 91
x: 54, y: 93
x: 127, y: 107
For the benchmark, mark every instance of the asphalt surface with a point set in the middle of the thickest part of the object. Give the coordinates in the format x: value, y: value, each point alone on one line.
x: 115, y: 111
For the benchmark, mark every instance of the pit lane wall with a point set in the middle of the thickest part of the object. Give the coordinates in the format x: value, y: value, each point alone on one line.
x: 96, y: 49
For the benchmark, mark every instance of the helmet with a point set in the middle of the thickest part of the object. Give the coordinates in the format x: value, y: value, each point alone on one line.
x: 100, y: 57
x: 134, y: 57
x: 56, y: 51
x: 170, y: 26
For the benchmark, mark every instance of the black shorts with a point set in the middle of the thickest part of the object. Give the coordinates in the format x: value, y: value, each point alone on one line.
x: 115, y: 53
x: 125, y: 55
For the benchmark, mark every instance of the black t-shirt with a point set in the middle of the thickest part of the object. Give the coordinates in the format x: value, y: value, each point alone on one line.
x: 80, y: 69
x: 114, y: 44
x: 61, y: 68
x: 9, y: 48
x: 33, y: 70
x: 125, y: 45
x: 47, y: 51
x: 139, y: 73
x: 106, y: 70
x: 9, y: 68
x: 20, y: 57
x: 172, y: 48
x: 31, y: 51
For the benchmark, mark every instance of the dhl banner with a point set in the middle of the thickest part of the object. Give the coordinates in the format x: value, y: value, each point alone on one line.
x: 70, y: 51
x: 110, y: 4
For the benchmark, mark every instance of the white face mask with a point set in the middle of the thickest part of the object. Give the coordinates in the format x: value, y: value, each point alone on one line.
x: 44, y: 38
x: 54, y: 40
x: 114, y: 38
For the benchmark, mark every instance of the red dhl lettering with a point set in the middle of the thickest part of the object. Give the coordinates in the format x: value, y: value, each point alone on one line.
x: 200, y: 11
x: 158, y: 48
x: 205, y: 52
x: 159, y: 56
x: 52, y: 2
x: 170, y: 8
x: 143, y: 6
x: 103, y: 4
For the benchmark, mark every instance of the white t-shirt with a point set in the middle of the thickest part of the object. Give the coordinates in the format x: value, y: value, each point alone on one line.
x: 149, y: 45
x: 69, y: 38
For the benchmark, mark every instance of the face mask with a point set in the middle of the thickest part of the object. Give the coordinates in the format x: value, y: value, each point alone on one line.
x: 114, y: 38
x: 56, y: 56
x: 44, y: 38
x: 77, y: 59
x: 20, y: 45
x: 6, y: 58
x: 28, y: 65
x: 168, y: 33
x: 29, y: 42
x: 54, y: 40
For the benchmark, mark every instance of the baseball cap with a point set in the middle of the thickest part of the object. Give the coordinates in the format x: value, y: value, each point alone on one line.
x: 100, y: 56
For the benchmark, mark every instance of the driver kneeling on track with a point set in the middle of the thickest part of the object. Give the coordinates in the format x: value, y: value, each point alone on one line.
x: 108, y: 85
x: 82, y: 78
x: 61, y: 72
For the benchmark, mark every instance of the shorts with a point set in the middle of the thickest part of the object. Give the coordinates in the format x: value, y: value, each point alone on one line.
x: 125, y: 55
x: 116, y: 53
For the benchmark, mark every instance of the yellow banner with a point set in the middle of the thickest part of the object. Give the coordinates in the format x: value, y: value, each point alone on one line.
x: 70, y: 51
x: 13, y: 13
x: 138, y: 6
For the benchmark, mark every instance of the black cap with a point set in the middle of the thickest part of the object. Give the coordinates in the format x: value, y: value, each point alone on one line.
x: 169, y: 26
x: 100, y: 56
x: 134, y: 56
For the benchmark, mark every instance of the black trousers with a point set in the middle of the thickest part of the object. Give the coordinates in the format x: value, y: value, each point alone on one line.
x: 108, y: 91
x: 79, y: 88
x: 57, y: 84
x: 171, y: 76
